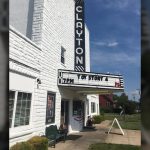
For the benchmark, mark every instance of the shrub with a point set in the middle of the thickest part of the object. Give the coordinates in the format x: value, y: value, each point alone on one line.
x: 97, y: 119
x: 39, y: 143
x: 22, y: 146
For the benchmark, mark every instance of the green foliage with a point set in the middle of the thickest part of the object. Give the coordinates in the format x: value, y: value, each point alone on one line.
x: 22, y: 146
x: 35, y: 143
x: 110, y: 116
x: 128, y: 105
x: 39, y: 143
x: 130, y: 125
x: 106, y: 110
x: 122, y: 98
x: 117, y: 110
x: 102, y: 112
x: 115, y: 97
x: 103, y: 146
x: 132, y: 122
x: 97, y: 119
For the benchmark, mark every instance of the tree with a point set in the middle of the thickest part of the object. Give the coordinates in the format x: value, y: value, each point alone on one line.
x: 122, y: 100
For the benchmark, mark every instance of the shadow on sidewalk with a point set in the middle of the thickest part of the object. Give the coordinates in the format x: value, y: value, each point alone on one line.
x: 89, y: 130
x: 73, y: 137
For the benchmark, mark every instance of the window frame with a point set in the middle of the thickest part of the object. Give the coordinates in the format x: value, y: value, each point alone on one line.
x: 15, y: 106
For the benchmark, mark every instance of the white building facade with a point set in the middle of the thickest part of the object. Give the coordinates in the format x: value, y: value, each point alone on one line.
x: 42, y: 42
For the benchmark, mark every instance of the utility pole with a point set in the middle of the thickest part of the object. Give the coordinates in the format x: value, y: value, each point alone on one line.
x: 139, y: 92
x: 133, y: 96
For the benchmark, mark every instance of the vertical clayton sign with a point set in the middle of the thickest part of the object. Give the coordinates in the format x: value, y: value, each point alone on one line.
x: 79, y: 36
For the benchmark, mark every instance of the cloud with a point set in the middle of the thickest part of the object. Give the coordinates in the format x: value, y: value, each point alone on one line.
x: 99, y: 43
x: 134, y: 95
x: 115, y: 59
x: 122, y: 5
x: 117, y: 3
x: 114, y: 3
x: 113, y: 44
x: 135, y: 92
x: 106, y: 44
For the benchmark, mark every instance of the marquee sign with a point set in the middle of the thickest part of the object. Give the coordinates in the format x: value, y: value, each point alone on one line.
x: 79, y: 36
x: 87, y: 79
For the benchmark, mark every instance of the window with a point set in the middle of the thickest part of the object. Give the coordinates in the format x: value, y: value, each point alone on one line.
x: 11, y: 106
x: 63, y: 55
x: 77, y: 108
x: 21, y: 115
x: 93, y: 108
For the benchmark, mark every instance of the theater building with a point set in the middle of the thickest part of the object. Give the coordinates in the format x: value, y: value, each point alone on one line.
x: 49, y: 63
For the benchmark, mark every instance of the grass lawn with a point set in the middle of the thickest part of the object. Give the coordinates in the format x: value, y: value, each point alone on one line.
x: 103, y: 146
x: 132, y: 122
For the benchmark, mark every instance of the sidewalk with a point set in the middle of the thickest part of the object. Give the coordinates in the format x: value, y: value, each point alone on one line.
x: 130, y: 137
x: 82, y: 140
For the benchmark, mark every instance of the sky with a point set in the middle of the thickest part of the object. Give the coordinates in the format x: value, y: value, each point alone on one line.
x: 115, y: 40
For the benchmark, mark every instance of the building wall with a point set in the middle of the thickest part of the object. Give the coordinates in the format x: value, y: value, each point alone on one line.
x: 21, y: 15
x: 25, y: 66
x: 106, y: 101
x: 57, y: 29
x: 87, y: 48
x: 92, y: 99
x: 102, y: 101
x: 53, y: 27
x: 37, y: 23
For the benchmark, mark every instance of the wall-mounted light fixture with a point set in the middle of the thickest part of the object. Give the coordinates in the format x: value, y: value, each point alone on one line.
x: 38, y: 81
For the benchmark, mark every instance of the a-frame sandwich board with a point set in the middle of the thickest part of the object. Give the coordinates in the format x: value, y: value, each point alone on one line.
x: 115, y: 119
